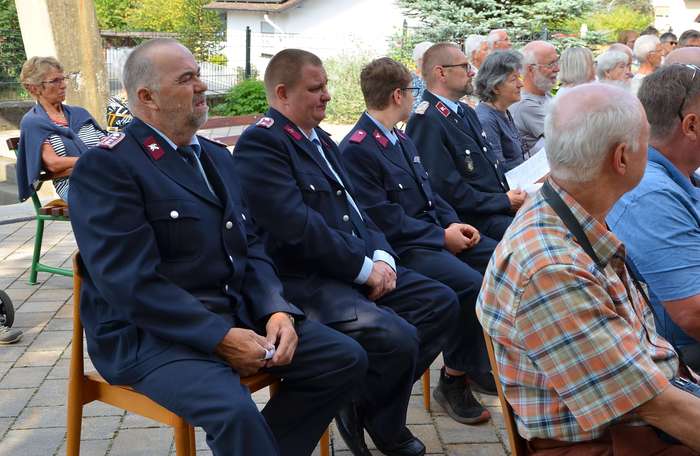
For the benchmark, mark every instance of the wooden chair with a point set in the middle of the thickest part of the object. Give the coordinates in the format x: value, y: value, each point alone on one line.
x: 518, y: 445
x: 84, y: 388
x: 426, y: 389
x: 56, y: 210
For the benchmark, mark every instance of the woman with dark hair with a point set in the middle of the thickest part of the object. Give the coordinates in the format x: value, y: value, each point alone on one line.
x: 52, y: 135
x: 498, y: 86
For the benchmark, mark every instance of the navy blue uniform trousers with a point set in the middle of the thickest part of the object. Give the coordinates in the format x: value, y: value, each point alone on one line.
x: 208, y: 393
x: 463, y: 273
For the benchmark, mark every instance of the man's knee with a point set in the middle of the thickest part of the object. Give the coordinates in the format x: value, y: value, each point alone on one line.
x: 396, y: 335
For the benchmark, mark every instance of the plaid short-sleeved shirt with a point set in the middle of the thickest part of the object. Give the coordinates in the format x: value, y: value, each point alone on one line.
x: 576, y: 346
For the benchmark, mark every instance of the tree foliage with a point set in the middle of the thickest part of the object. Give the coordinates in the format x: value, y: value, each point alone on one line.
x: 111, y: 14
x: 611, y: 22
x: 454, y: 19
x: 11, y: 47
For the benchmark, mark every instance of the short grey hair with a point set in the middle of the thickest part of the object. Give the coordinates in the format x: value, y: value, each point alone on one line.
x: 473, y: 44
x: 35, y: 68
x: 420, y: 49
x: 644, y: 45
x: 609, y: 60
x: 664, y: 93
x: 492, y: 37
x: 495, y: 70
x: 576, y: 144
x: 576, y: 65
x: 138, y: 69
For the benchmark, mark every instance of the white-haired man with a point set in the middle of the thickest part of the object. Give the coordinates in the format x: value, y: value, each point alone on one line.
x: 579, y: 358
x: 499, y: 40
x: 540, y: 69
x: 477, y: 49
x: 649, y: 54
x: 418, y: 82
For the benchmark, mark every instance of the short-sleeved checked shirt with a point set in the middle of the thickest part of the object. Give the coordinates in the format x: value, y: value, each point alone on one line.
x: 576, y: 346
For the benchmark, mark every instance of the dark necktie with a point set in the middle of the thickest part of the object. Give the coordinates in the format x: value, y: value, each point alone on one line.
x: 191, y: 155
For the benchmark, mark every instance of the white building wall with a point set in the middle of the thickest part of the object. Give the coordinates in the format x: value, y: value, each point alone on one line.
x: 325, y: 27
x: 678, y: 15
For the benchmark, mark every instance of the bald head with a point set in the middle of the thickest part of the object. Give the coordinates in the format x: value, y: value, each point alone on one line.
x: 141, y: 67
x: 687, y: 55
x: 585, y: 124
x: 535, y: 51
x: 439, y: 54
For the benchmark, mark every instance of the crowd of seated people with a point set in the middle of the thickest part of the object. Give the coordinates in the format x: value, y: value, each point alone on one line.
x: 346, y: 267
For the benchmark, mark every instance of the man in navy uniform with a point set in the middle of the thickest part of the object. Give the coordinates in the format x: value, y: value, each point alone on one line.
x: 422, y: 228
x: 454, y: 149
x: 179, y: 298
x: 333, y: 260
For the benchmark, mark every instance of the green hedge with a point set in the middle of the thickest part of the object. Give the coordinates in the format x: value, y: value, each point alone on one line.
x: 247, y: 97
x: 347, y: 102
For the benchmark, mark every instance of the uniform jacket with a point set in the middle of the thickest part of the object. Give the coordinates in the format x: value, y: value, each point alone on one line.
x: 295, y: 197
x: 169, y: 267
x: 394, y: 188
x: 462, y: 167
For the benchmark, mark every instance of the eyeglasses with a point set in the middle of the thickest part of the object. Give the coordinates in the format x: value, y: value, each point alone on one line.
x: 414, y: 90
x: 550, y: 65
x: 59, y: 81
x: 467, y: 67
x: 687, y: 87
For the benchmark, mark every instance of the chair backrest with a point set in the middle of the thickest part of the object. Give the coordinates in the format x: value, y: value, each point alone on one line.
x: 518, y: 445
x: 13, y: 144
x: 76, y: 360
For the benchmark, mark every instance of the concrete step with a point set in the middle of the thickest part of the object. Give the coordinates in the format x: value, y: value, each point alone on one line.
x: 8, y: 171
x: 8, y: 193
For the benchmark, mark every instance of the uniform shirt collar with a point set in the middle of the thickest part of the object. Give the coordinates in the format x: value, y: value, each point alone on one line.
x: 453, y: 105
x: 391, y: 136
x: 312, y: 136
x: 193, y: 142
x: 674, y: 173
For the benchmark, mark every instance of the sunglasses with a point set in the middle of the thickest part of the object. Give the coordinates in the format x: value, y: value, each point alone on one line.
x: 687, y: 87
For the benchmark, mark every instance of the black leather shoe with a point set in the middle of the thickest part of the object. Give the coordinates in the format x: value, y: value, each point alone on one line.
x: 410, y: 445
x: 483, y: 383
x: 349, y: 423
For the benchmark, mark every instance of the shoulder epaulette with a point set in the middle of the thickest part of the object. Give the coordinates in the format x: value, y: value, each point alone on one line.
x: 265, y: 122
x: 358, y: 136
x: 421, y: 108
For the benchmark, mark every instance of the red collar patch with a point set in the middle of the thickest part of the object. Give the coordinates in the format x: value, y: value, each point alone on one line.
x: 153, y: 148
x: 444, y: 110
x: 291, y: 131
x: 358, y: 136
x: 380, y: 138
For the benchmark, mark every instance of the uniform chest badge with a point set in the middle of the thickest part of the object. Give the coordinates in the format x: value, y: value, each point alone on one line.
x: 444, y: 110
x: 265, y: 122
x: 111, y: 140
x: 153, y: 148
x: 420, y: 109
x: 358, y: 136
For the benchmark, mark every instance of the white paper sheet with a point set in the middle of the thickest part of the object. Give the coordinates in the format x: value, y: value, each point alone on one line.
x: 526, y: 175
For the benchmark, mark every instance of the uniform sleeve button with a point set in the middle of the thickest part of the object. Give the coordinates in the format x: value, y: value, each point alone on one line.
x: 313, y: 189
x: 229, y: 225
x: 400, y: 187
x: 339, y: 192
x: 346, y: 218
x: 484, y: 149
x: 174, y: 214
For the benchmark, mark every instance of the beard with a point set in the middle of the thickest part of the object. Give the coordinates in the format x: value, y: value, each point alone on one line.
x: 542, y: 82
x: 468, y: 88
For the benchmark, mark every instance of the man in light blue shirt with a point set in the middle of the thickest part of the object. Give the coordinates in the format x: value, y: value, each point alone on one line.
x: 659, y: 221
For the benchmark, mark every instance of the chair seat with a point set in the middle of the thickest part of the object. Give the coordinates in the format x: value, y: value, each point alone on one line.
x: 253, y: 382
x: 55, y: 208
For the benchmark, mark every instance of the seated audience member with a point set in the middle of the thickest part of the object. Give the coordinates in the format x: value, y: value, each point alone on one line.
x: 648, y: 51
x: 417, y: 80
x: 179, y: 299
x: 426, y: 233
x: 52, y: 135
x: 628, y: 37
x: 476, y: 47
x: 117, y: 112
x: 498, y: 86
x: 579, y: 357
x: 615, y: 67
x: 576, y: 67
x: 454, y: 149
x: 689, y: 38
x: 540, y: 68
x: 332, y: 258
x: 659, y: 221
x: 669, y: 41
x: 499, y: 40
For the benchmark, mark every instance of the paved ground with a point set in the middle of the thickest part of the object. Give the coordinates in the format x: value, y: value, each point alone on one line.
x: 33, y: 375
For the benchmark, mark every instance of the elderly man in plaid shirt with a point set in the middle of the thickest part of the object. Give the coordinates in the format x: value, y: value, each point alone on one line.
x: 579, y: 358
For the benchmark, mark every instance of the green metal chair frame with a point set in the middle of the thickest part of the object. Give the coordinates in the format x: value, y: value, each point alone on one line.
x: 43, y: 214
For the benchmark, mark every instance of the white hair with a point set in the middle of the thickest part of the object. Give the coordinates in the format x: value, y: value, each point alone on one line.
x: 577, y: 141
x: 420, y: 49
x: 493, y: 37
x: 473, y: 44
x: 609, y: 60
x: 644, y: 45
